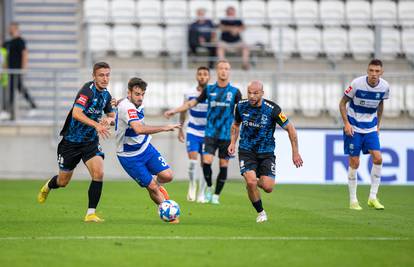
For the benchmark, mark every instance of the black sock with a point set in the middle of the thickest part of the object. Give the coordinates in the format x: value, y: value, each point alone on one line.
x: 258, y: 205
x: 94, y: 194
x: 53, y: 183
x: 221, y: 180
x: 207, y: 174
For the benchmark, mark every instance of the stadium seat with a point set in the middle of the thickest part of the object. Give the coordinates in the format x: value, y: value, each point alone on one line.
x: 311, y: 100
x: 288, y: 41
x: 175, y: 92
x: 175, y: 12
x: 332, y: 13
x: 309, y: 41
x: 395, y: 104
x: 205, y: 4
x: 358, y: 12
x: 361, y: 43
x: 99, y: 39
x: 335, y: 42
x: 124, y: 39
x: 96, y: 10
x: 305, y: 12
x: 405, y: 12
x: 151, y: 40
x: 287, y: 96
x: 221, y: 6
x: 175, y: 39
x: 279, y: 12
x: 155, y: 97
x: 123, y: 11
x: 390, y: 43
x: 408, y: 42
x: 257, y: 36
x: 384, y: 12
x: 409, y: 98
x: 333, y: 92
x: 149, y: 12
x: 253, y: 12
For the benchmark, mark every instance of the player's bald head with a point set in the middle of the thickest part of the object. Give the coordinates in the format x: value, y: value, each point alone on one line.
x: 255, y: 85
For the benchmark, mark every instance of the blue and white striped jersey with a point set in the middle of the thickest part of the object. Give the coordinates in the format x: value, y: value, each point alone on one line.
x: 197, y: 118
x: 363, y: 106
x: 128, y: 142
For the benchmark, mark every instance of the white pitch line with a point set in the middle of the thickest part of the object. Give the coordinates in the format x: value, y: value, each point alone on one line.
x: 224, y: 238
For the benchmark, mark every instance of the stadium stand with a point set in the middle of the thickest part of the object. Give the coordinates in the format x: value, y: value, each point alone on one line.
x: 361, y: 43
x: 405, y: 12
x: 175, y: 12
x: 149, y: 12
x: 358, y: 12
x: 125, y: 39
x: 123, y: 11
x: 305, y: 12
x: 384, y: 12
x: 279, y: 12
x: 309, y: 41
x: 253, y: 12
x: 335, y: 42
x: 205, y: 4
x: 95, y: 10
x: 332, y: 13
x: 221, y: 6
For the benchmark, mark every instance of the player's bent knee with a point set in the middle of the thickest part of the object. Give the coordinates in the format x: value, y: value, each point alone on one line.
x: 268, y: 189
x: 165, y: 176
x: 252, y: 184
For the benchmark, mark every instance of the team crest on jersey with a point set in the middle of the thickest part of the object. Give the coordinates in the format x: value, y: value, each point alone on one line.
x: 82, y: 100
x: 377, y: 96
x: 132, y: 113
x: 264, y: 119
x: 229, y: 96
x: 349, y: 89
x: 282, y: 117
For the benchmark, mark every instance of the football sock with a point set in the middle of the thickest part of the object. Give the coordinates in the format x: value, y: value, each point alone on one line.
x: 207, y: 174
x: 221, y: 180
x: 258, y: 205
x: 192, y: 170
x: 352, y: 184
x: 94, y: 194
x: 90, y: 211
x: 375, y: 180
x: 53, y: 183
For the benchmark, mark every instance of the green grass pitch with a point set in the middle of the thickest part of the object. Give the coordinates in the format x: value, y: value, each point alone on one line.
x: 309, y: 225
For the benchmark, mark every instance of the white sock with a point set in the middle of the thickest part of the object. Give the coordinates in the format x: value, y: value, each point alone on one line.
x: 352, y: 184
x: 192, y: 170
x: 201, y: 186
x: 90, y: 211
x: 375, y: 180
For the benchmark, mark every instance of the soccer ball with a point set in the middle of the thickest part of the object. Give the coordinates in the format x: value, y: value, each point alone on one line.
x: 169, y: 210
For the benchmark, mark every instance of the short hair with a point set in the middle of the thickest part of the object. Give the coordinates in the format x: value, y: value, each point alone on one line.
x: 137, y: 82
x: 375, y: 62
x: 14, y: 23
x: 222, y: 61
x: 100, y: 65
x: 203, y: 68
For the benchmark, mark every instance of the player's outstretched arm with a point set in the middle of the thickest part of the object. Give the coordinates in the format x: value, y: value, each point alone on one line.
x: 235, y: 130
x: 140, y: 128
x: 103, y: 130
x: 293, y: 137
x: 379, y: 114
x: 342, y: 108
x: 184, y: 107
x: 182, y: 121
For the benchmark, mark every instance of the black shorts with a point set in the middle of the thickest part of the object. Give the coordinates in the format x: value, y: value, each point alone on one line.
x: 262, y: 164
x: 69, y: 154
x: 212, y: 144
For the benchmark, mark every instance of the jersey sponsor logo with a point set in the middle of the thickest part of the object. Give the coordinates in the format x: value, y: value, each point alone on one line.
x: 282, y: 117
x: 82, y: 99
x: 229, y: 96
x: 219, y: 104
x: 213, y: 94
x: 132, y: 113
x: 264, y: 119
x: 349, y: 89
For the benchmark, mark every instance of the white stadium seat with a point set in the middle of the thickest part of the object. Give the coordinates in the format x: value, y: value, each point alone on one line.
x: 124, y: 39
x: 305, y: 12
x: 332, y: 12
x: 287, y: 96
x: 155, y: 96
x: 358, y: 12
x: 279, y: 12
x: 409, y: 98
x: 384, y: 12
x: 175, y: 12
x: 123, y: 11
x: 408, y: 42
x: 96, y: 10
x: 175, y: 39
x: 395, y: 104
x: 149, y: 12
x: 207, y: 5
x: 311, y: 100
x: 333, y: 92
x: 151, y: 40
x: 390, y: 43
x: 288, y: 40
x: 253, y: 12
x: 257, y: 36
x: 175, y: 92
x: 361, y: 43
x: 221, y: 6
x: 335, y: 42
x: 99, y: 37
x: 309, y: 41
x: 405, y: 12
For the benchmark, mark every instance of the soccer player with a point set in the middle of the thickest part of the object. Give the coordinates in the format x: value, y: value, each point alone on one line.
x: 258, y: 118
x: 362, y: 119
x: 81, y: 141
x: 195, y: 134
x: 135, y: 152
x: 221, y: 98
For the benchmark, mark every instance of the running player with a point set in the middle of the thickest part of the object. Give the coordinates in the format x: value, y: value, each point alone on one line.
x: 195, y: 134
x: 258, y: 117
x: 362, y: 119
x: 221, y: 98
x: 135, y: 152
x: 80, y: 138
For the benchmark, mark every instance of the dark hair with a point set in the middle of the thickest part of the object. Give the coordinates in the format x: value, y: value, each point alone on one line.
x: 203, y: 68
x: 375, y: 62
x: 137, y: 82
x: 14, y: 23
x: 100, y: 65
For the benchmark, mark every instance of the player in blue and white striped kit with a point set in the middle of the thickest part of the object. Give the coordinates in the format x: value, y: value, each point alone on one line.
x: 362, y: 119
x: 195, y: 134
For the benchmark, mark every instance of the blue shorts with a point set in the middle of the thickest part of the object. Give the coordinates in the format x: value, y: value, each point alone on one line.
x: 194, y: 143
x: 142, y: 167
x: 365, y: 142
